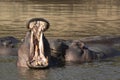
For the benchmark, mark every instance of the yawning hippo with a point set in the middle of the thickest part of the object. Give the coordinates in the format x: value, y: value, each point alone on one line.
x: 34, y: 51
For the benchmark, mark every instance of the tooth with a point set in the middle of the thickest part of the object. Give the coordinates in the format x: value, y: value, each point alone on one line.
x: 39, y: 29
x: 39, y: 62
x: 36, y: 54
x: 43, y: 60
x: 31, y: 44
x: 36, y: 63
x: 41, y: 46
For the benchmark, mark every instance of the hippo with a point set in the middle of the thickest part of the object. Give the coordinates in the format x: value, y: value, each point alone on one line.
x: 8, y: 46
x: 69, y: 51
x: 57, y: 48
x: 9, y: 41
x: 76, y: 51
x: 34, y: 51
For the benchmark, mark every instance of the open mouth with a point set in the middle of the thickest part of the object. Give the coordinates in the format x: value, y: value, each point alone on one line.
x: 37, y: 57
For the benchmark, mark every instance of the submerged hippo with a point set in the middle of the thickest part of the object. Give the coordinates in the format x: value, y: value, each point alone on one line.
x: 34, y: 51
x: 8, y: 41
x: 8, y: 46
x: 69, y: 51
x: 58, y: 48
x: 76, y: 51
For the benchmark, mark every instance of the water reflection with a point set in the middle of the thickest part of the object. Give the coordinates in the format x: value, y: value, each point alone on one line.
x: 29, y: 74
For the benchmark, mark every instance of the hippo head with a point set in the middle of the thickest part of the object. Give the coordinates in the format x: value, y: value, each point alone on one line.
x: 37, y: 56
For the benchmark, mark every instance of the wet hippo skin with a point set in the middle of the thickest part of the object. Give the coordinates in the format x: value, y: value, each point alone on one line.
x: 8, y: 41
x: 78, y: 51
x: 91, y: 51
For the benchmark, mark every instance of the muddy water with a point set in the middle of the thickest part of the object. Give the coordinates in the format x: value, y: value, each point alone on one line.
x: 69, y: 19
x: 103, y: 70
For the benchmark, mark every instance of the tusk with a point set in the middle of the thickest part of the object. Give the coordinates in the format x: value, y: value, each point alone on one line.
x: 41, y: 46
x: 31, y: 44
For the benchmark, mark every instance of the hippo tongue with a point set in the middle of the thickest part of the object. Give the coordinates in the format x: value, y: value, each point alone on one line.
x: 41, y: 46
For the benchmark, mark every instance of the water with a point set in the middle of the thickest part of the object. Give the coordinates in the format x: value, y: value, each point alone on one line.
x: 106, y: 70
x: 69, y: 19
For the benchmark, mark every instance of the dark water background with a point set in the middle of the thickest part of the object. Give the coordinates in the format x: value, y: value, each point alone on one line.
x: 69, y: 19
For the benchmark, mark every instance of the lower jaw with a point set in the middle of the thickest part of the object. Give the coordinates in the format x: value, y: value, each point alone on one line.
x: 33, y: 65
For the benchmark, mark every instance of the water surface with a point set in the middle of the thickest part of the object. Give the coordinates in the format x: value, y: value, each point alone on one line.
x: 103, y: 70
x: 68, y: 19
